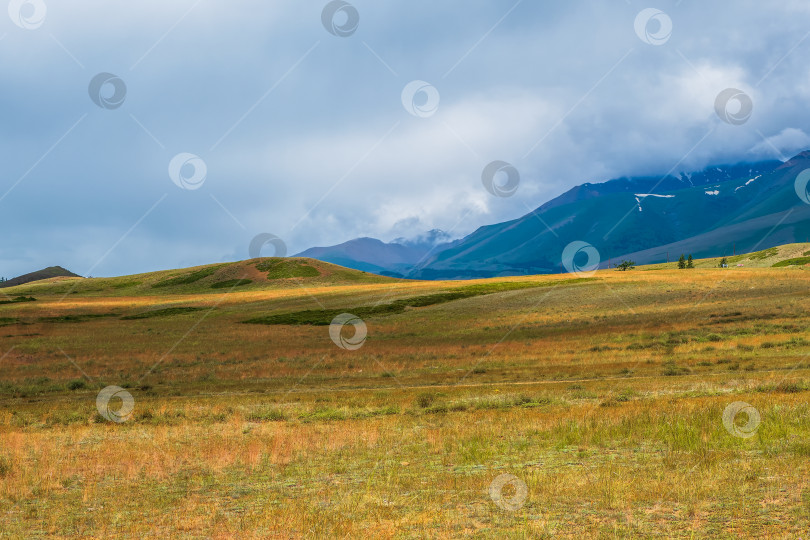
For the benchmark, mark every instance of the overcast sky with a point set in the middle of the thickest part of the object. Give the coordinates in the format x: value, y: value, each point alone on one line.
x: 307, y: 135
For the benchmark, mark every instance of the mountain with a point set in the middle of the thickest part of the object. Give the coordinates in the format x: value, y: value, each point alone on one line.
x: 397, y: 258
x: 45, y: 273
x: 717, y: 211
x: 720, y: 210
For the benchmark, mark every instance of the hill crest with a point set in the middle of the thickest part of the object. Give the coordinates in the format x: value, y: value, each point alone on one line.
x: 45, y: 273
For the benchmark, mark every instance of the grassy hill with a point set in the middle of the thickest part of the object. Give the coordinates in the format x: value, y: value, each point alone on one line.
x: 605, y: 396
x: 46, y: 273
x: 789, y: 255
x: 250, y: 275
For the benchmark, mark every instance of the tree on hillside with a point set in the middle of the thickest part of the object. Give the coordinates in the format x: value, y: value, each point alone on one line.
x: 689, y: 263
x: 626, y: 265
x: 682, y: 262
x: 723, y: 262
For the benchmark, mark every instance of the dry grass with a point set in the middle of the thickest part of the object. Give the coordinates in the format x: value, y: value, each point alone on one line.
x: 605, y: 398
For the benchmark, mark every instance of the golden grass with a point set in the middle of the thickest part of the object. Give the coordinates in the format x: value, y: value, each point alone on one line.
x: 605, y: 398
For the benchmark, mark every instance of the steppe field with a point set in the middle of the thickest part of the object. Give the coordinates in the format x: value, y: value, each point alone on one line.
x: 651, y: 403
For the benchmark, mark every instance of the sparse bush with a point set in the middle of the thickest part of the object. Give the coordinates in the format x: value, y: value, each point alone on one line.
x: 78, y: 384
x: 425, y: 399
x: 672, y: 370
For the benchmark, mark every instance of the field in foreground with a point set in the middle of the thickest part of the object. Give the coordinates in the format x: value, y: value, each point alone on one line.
x: 604, y: 395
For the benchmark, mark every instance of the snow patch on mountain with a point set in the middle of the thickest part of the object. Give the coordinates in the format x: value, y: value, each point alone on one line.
x: 745, y: 184
x: 640, y: 196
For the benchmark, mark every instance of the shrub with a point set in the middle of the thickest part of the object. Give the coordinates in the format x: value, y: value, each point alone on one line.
x: 425, y: 399
x: 78, y: 384
x: 671, y: 370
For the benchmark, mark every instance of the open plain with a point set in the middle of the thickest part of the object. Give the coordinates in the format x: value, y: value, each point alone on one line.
x: 602, y: 395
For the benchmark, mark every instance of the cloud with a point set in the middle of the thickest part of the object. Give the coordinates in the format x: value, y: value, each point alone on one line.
x: 783, y: 145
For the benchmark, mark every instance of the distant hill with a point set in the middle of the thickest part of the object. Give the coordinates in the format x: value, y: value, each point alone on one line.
x: 45, y: 273
x: 397, y: 258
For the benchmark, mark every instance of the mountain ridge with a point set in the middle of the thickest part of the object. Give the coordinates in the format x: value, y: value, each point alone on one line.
x: 720, y: 208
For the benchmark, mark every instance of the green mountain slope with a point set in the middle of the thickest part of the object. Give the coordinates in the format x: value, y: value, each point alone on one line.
x: 740, y: 209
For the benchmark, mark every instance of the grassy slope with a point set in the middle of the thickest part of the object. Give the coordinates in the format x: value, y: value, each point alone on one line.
x: 604, y: 396
x: 263, y: 273
x: 760, y: 259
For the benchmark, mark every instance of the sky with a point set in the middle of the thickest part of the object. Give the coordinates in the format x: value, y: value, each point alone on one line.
x: 139, y: 136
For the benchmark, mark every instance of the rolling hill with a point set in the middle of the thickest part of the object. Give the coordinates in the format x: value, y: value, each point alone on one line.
x: 45, y: 273
x: 253, y: 274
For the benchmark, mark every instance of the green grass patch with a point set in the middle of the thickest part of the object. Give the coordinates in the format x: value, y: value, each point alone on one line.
x: 126, y: 284
x: 18, y: 300
x: 266, y: 415
x: 764, y: 254
x: 162, y: 313
x: 281, y: 269
x: 8, y: 321
x: 324, y: 317
x: 231, y: 283
x: 192, y: 277
x: 798, y: 261
x: 76, y: 318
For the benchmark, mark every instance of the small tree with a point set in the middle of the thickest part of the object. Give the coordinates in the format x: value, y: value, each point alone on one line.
x: 682, y: 262
x: 689, y: 263
x: 626, y: 265
x: 723, y: 262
